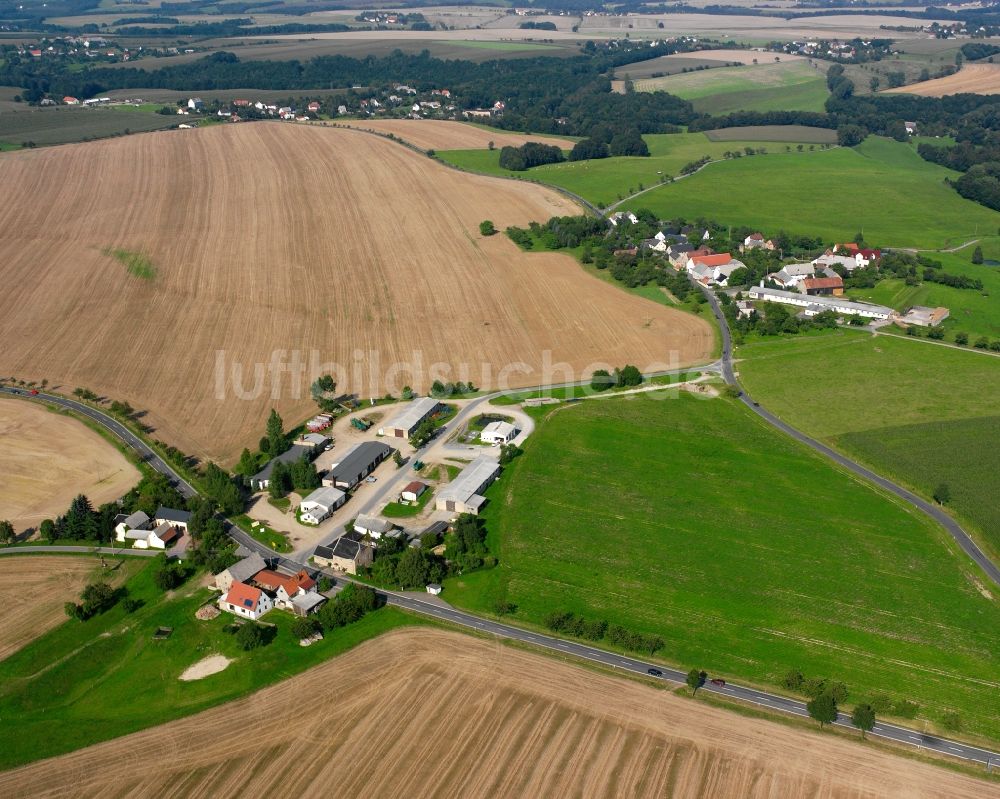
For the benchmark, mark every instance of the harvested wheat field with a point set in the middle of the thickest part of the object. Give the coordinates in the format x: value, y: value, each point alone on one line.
x: 33, y: 590
x: 437, y: 134
x: 441, y: 714
x: 971, y: 78
x: 186, y: 271
x: 48, y: 458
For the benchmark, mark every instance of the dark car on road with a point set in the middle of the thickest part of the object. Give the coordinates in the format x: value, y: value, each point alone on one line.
x: 654, y: 672
x: 718, y: 682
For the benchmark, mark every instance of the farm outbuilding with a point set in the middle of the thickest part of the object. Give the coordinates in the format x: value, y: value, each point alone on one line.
x: 321, y: 503
x: 405, y: 423
x: 498, y: 433
x: 463, y: 494
x: 413, y: 491
x: 356, y: 464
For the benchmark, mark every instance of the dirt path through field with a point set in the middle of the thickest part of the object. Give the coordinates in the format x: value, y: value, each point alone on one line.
x: 434, y: 134
x: 280, y: 251
x: 430, y: 713
x: 33, y: 591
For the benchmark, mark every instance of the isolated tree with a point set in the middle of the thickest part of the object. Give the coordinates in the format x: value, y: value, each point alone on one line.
x: 486, y: 228
x: 961, y: 339
x: 977, y: 255
x: 863, y: 717
x: 275, y: 434
x: 252, y: 635
x: 248, y: 464
x: 397, y: 458
x: 874, y: 84
x: 942, y: 494
x: 823, y: 708
x: 695, y: 679
x: 6, y: 532
x: 48, y: 530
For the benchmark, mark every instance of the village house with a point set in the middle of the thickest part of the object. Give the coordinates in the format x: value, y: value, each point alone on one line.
x: 286, y: 587
x: 173, y: 517
x: 314, y: 440
x: 347, y: 554
x: 321, y: 503
x: 195, y: 104
x: 790, y: 275
x: 137, y: 522
x: 924, y: 317
x: 756, y: 241
x: 713, y: 269
x: 405, y: 423
x: 619, y: 216
x: 240, y: 572
x: 830, y: 260
x: 372, y: 526
x: 356, y: 464
x: 246, y: 601
x: 464, y: 493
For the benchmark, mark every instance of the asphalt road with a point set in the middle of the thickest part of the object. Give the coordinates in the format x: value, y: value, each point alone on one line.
x: 613, y: 660
x: 954, y: 529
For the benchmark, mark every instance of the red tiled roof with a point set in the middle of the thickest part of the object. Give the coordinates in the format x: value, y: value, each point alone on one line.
x: 823, y: 282
x: 272, y: 581
x: 243, y: 596
x: 869, y: 254
x: 416, y: 487
x: 713, y: 260
x: 700, y: 251
x: 756, y: 237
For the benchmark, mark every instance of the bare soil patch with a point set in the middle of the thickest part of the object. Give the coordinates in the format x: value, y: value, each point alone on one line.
x: 33, y: 590
x: 275, y: 239
x: 205, y: 667
x: 449, y: 715
x: 437, y: 134
x: 971, y: 78
x: 47, y: 458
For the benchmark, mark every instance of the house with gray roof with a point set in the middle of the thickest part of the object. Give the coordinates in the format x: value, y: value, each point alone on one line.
x: 240, y: 572
x: 347, y: 554
x: 296, y: 452
x: 403, y: 424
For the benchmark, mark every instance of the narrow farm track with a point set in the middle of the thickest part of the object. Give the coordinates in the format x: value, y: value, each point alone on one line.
x: 561, y: 647
x: 269, y: 240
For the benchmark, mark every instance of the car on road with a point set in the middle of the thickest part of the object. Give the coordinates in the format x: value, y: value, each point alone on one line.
x: 371, y: 479
x: 718, y: 682
x: 654, y: 672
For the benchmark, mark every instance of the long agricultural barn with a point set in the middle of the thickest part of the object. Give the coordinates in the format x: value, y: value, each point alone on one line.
x: 816, y: 304
x: 406, y: 422
x: 356, y: 464
x: 463, y: 494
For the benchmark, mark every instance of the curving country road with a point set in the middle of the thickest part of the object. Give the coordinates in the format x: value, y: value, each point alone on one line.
x: 552, y: 643
x: 961, y: 537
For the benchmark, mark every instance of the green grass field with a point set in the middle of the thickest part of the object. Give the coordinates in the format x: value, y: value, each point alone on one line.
x: 747, y: 553
x: 920, y: 413
x: 87, y: 682
x: 65, y: 124
x: 604, y: 181
x: 975, y: 312
x: 790, y: 134
x: 788, y: 86
x: 881, y: 187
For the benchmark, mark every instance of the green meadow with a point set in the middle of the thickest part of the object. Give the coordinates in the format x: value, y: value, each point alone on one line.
x: 750, y: 555
x: 918, y: 412
x: 881, y: 187
x: 605, y: 181
x: 785, y: 86
x: 107, y: 677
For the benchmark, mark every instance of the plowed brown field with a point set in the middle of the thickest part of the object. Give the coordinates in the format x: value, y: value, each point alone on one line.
x: 972, y: 78
x: 46, y: 459
x: 271, y: 240
x: 32, y: 593
x: 431, y: 713
x: 436, y: 134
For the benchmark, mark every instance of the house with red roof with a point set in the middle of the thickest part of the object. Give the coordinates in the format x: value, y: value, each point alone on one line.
x: 712, y: 269
x: 756, y: 241
x: 289, y: 590
x: 246, y: 601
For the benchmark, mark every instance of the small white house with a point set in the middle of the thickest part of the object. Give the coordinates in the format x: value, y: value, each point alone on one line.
x: 321, y: 503
x: 372, y: 526
x: 195, y: 104
x: 162, y: 536
x: 496, y: 433
x: 246, y: 601
x: 433, y: 588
